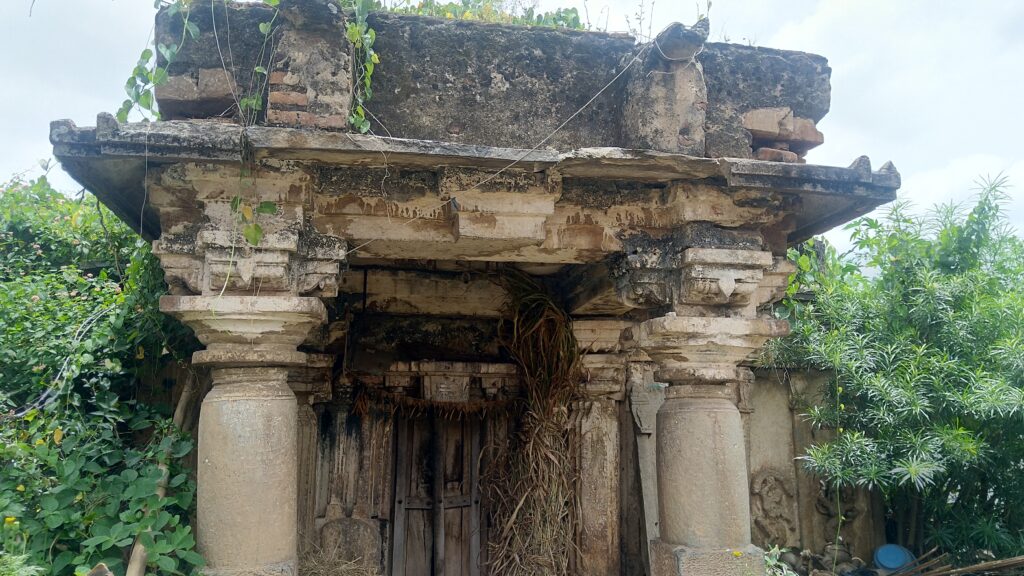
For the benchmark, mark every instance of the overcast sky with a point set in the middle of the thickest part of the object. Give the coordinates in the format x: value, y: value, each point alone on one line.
x: 936, y: 86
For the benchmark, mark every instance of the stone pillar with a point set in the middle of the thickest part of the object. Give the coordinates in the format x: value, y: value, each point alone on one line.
x: 714, y: 325
x: 246, y: 500
x: 703, y: 499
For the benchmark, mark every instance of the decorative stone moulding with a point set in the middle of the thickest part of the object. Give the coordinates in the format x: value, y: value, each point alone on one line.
x: 451, y: 381
x: 702, y: 277
x: 203, y: 250
x: 721, y: 277
x: 312, y: 381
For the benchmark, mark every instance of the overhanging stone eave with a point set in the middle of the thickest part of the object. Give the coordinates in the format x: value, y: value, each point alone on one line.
x: 111, y: 160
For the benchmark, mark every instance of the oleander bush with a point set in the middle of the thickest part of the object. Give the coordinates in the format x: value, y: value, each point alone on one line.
x: 921, y: 325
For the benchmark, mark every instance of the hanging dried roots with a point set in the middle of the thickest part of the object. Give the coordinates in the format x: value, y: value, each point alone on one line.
x: 532, y: 479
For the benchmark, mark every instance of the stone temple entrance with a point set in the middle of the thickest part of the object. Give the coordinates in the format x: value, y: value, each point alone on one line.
x: 658, y: 215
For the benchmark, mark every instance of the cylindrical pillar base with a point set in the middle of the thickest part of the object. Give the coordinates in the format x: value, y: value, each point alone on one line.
x: 246, y: 497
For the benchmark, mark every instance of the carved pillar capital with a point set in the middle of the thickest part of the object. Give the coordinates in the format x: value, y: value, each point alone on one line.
x: 704, y: 350
x: 248, y: 330
x: 205, y: 214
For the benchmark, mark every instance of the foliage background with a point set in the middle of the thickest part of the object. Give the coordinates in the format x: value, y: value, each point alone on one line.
x: 80, y: 457
x: 921, y: 325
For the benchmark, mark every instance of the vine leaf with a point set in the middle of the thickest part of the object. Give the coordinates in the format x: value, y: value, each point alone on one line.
x: 168, y: 52
x: 253, y: 233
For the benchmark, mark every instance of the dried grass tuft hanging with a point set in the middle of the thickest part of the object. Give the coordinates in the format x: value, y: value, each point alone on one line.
x: 532, y: 480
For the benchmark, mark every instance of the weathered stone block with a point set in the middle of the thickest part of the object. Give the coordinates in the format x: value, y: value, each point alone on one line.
x: 498, y: 85
x: 776, y: 155
x: 216, y: 84
x: 666, y: 96
x: 744, y: 78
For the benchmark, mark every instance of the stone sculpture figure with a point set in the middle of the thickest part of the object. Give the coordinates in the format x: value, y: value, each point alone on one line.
x: 772, y: 507
x: 839, y: 509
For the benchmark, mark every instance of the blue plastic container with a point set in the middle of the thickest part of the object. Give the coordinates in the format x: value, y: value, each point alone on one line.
x: 893, y: 557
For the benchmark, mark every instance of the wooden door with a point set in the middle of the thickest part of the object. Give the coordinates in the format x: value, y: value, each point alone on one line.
x: 437, y: 501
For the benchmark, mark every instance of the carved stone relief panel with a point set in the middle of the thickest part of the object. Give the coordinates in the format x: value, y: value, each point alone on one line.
x: 773, y: 509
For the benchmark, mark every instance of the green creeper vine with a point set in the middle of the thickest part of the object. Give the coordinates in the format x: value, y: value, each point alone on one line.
x: 246, y: 216
x: 362, y: 37
x: 148, y: 74
x: 250, y: 105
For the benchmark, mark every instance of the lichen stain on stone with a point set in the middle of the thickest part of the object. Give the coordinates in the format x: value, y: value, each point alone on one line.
x: 392, y: 183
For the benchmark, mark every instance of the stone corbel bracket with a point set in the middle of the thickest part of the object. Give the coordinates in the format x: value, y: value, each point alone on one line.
x: 718, y: 277
x: 666, y: 274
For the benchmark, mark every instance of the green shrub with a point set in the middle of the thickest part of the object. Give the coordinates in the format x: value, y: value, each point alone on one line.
x: 80, y: 458
x: 11, y: 565
x: 922, y: 327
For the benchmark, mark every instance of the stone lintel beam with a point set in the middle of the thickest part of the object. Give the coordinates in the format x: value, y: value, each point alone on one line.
x: 409, y: 292
x: 443, y: 381
x: 247, y: 484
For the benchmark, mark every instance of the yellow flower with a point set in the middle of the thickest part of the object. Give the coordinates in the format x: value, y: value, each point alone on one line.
x: 737, y: 553
x: 10, y: 520
x: 40, y: 441
x: 20, y: 488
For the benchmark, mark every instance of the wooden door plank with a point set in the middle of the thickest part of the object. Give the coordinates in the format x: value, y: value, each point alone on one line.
x: 437, y: 460
x: 475, y: 559
x: 418, y: 549
x: 398, y: 555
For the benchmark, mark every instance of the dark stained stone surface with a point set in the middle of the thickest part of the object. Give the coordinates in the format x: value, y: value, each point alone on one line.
x: 743, y: 78
x: 460, y: 81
